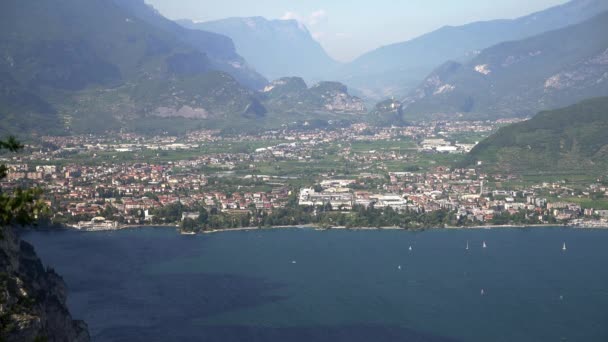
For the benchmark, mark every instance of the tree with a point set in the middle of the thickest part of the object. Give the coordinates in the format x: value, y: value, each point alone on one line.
x: 21, y: 206
x: 203, y: 216
x: 189, y: 225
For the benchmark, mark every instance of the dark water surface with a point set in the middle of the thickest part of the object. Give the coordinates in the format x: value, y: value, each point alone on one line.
x: 153, y: 284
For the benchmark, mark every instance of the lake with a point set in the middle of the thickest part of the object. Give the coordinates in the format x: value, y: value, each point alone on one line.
x: 152, y: 284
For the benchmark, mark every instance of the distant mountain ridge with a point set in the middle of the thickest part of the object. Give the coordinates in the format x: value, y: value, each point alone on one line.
x: 571, y: 139
x: 128, y: 68
x: 219, y: 48
x: 398, y: 68
x: 276, y: 48
x: 115, y: 71
x: 520, y: 78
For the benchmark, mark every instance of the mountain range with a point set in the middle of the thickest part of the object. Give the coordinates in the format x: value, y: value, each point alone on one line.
x: 124, y: 67
x: 111, y: 72
x: 567, y: 140
x: 276, y: 48
x: 219, y: 48
x: 520, y: 78
x: 128, y: 67
x: 396, y: 69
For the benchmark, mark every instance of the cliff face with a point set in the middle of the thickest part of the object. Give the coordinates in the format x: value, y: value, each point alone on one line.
x: 291, y: 94
x: 32, y: 299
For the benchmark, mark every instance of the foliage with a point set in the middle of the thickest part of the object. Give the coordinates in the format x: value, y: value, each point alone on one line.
x: 21, y: 206
x: 519, y: 78
x: 294, y: 215
x: 572, y: 138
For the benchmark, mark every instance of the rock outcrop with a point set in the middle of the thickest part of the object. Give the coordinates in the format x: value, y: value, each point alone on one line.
x: 32, y: 298
x: 291, y: 94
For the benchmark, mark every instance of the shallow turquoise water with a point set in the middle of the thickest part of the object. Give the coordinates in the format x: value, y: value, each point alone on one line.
x: 305, y: 285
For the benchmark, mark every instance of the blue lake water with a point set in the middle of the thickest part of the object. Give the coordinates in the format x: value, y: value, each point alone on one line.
x: 153, y: 284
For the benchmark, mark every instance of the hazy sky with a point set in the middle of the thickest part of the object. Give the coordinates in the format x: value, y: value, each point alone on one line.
x: 348, y: 28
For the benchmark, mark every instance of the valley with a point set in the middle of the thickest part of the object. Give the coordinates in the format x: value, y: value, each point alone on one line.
x: 370, y: 171
x: 350, y: 176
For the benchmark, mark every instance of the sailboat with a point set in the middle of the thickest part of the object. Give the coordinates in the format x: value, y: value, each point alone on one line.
x: 410, y: 248
x: 484, y: 245
x: 399, y: 267
x: 564, y: 247
x: 467, y: 248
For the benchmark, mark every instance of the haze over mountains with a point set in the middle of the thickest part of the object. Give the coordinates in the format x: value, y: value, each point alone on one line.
x: 277, y: 48
x: 127, y: 67
x: 519, y: 78
x: 217, y: 47
x: 396, y: 69
x: 110, y: 72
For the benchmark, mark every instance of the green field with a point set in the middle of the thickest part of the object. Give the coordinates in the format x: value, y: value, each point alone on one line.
x: 383, y: 146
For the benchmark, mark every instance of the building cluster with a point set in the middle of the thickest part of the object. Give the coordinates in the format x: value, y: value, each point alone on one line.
x: 99, y: 181
x: 461, y: 191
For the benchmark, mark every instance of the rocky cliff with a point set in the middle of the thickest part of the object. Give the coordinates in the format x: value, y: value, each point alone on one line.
x: 32, y: 298
x: 291, y: 94
x: 519, y: 78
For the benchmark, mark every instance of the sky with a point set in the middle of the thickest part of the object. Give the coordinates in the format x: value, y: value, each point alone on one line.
x: 349, y: 28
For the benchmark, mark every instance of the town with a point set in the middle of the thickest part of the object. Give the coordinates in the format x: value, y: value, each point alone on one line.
x: 330, y: 177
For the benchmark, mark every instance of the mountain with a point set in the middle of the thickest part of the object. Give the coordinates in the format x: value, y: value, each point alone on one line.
x: 276, y: 48
x: 519, y: 78
x: 114, y: 71
x: 387, y: 113
x: 398, y: 68
x: 219, y: 48
x: 292, y: 95
x: 560, y: 141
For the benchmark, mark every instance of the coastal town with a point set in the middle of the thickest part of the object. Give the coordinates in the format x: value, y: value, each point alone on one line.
x: 125, y: 180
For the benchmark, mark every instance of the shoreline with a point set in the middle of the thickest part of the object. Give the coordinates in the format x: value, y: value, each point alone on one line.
x: 319, y: 228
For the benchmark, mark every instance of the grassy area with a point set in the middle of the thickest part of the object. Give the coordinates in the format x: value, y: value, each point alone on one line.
x: 468, y: 137
x: 383, y: 145
x: 88, y: 158
x: 300, y: 168
x: 572, y: 178
x: 585, y: 203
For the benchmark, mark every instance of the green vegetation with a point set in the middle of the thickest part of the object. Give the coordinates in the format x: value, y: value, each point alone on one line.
x: 585, y: 203
x: 403, y: 144
x: 114, y: 72
x: 387, y: 113
x: 519, y: 78
x: 293, y: 215
x: 128, y: 68
x: 466, y: 137
x: 32, y: 299
x: 21, y: 206
x: 566, y: 142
